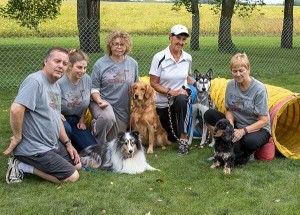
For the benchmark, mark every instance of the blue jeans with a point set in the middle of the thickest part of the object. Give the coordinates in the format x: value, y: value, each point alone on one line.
x: 80, y: 138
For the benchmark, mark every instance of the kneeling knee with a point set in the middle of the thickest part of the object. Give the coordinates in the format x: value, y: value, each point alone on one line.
x: 73, y: 178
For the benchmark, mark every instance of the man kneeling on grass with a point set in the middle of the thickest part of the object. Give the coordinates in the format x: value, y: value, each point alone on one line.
x: 39, y: 143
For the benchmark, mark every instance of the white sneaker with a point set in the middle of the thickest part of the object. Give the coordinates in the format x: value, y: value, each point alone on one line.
x: 13, y: 175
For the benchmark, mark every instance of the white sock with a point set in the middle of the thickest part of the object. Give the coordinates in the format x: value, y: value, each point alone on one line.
x: 26, y: 168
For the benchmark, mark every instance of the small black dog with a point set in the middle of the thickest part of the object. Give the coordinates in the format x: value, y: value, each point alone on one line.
x: 226, y: 152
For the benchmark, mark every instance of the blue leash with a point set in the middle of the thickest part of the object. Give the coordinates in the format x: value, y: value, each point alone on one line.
x: 91, y: 170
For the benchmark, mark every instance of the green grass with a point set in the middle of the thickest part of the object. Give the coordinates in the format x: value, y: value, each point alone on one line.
x: 185, y: 185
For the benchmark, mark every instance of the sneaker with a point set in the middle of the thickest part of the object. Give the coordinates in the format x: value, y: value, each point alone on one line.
x: 183, y: 147
x: 13, y: 175
x: 252, y: 157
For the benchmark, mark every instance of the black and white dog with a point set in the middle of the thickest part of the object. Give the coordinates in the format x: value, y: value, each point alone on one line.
x: 227, y: 153
x: 124, y: 154
x: 202, y: 103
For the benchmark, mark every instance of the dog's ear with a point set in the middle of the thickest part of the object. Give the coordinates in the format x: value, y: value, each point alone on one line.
x: 131, y: 91
x: 228, y: 133
x: 209, y: 73
x: 135, y: 134
x: 197, y: 74
x: 121, y: 135
x: 149, y: 92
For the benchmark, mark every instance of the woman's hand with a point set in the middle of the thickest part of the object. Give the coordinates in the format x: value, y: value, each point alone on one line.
x: 102, y: 103
x: 81, y: 125
x: 62, y: 117
x: 181, y: 91
x: 238, y: 134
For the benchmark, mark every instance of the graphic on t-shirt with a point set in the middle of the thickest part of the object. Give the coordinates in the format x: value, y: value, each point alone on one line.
x: 117, y: 76
x: 75, y: 98
x: 54, y: 99
x: 240, y: 104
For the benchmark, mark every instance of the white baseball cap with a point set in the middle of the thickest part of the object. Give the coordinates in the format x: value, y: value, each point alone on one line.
x: 179, y: 29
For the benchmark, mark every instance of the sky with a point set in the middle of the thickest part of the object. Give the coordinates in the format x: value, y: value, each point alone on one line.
x: 274, y: 1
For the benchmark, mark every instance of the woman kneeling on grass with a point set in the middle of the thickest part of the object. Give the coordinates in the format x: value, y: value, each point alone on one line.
x: 246, y: 103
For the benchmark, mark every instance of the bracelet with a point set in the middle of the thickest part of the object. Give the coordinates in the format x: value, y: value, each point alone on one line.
x: 246, y: 131
x: 68, y: 141
x: 168, y: 92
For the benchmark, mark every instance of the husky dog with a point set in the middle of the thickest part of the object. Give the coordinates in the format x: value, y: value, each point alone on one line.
x: 202, y: 103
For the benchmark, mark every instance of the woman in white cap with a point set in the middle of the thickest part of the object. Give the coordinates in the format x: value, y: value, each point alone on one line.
x: 169, y: 76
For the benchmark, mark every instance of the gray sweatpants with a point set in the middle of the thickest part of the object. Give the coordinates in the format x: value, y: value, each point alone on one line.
x: 105, y: 124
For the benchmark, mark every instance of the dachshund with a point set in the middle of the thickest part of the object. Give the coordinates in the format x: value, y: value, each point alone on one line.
x: 225, y: 151
x: 144, y: 118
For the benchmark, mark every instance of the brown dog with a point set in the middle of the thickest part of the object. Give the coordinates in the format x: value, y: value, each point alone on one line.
x: 144, y: 117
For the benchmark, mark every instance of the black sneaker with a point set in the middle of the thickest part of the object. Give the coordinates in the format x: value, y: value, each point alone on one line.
x: 183, y: 147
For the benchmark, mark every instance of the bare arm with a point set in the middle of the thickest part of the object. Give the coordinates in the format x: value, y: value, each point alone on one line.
x: 63, y: 137
x: 190, y: 80
x: 96, y: 97
x: 16, y: 122
x: 229, y: 116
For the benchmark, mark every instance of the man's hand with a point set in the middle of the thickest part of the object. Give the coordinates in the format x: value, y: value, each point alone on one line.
x: 13, y: 143
x: 73, y: 153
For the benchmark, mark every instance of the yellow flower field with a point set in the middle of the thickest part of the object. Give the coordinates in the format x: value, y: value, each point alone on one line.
x: 154, y: 19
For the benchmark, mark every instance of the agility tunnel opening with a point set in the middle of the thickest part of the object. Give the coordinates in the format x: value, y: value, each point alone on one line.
x: 284, y: 109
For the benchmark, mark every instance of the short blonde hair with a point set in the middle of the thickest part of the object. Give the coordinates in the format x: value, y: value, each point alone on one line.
x: 124, y: 36
x: 240, y: 60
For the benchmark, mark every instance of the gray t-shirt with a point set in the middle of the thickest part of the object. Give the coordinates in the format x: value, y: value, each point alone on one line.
x: 114, y: 80
x: 75, y: 98
x: 42, y: 115
x: 247, y: 105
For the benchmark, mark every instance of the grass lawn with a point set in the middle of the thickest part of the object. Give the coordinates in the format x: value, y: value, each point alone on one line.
x: 185, y: 184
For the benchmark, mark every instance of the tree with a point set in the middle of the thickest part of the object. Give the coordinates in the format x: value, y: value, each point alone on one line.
x: 31, y: 13
x: 228, y: 7
x: 88, y: 22
x: 192, y: 7
x: 225, y: 39
x: 287, y: 29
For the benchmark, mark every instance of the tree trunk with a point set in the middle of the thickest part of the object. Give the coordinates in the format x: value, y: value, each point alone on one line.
x: 225, y: 41
x: 88, y: 22
x: 195, y: 26
x: 287, y: 29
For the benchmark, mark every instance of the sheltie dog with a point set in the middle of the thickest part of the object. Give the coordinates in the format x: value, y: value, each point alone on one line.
x: 124, y: 154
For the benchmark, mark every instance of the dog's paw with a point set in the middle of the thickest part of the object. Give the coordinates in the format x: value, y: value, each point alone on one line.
x: 227, y: 170
x: 163, y: 147
x: 150, y: 151
x: 214, y: 165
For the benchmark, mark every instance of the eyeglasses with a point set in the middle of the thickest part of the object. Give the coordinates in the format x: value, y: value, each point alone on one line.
x: 118, y: 44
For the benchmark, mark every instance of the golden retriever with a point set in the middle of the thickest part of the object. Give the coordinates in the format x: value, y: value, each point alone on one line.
x: 144, y: 117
